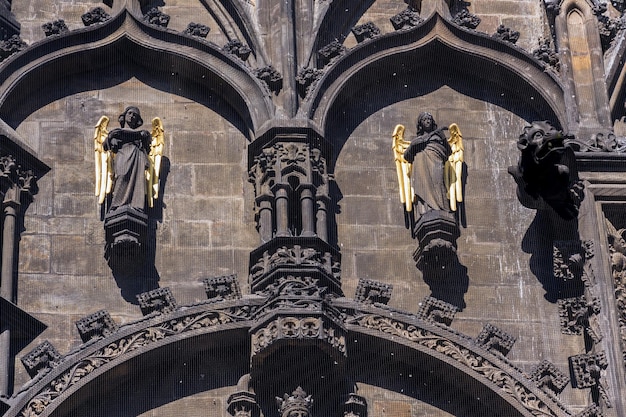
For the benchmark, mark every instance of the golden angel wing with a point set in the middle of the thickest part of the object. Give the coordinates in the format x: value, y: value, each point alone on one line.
x: 154, y: 169
x: 103, y: 160
x: 453, y: 169
x: 403, y: 168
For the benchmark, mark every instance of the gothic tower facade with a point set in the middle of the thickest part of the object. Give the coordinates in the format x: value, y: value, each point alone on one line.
x: 313, y: 208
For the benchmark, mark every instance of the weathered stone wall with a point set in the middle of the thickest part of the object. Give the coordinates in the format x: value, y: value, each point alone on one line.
x: 374, y: 243
x: 207, y: 226
x: 206, y: 229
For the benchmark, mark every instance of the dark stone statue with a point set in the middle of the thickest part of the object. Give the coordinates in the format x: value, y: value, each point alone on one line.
x: 428, y: 152
x: 546, y: 173
x: 131, y: 148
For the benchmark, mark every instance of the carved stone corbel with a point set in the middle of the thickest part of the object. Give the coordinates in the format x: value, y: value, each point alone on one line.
x: 221, y: 288
x: 437, y: 311
x: 369, y: 291
x: 158, y: 300
x: 42, y: 358
x: 549, y: 378
x: 96, y: 326
x: 495, y: 340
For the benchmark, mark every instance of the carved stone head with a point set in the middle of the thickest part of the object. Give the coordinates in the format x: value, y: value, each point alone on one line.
x: 131, y: 117
x: 425, y: 123
x: 298, y: 404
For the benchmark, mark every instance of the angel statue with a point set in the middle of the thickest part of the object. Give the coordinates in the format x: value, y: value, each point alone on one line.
x: 429, y: 167
x: 128, y: 161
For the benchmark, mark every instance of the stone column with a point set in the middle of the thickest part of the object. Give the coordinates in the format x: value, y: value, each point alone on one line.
x: 307, y: 205
x: 322, y: 219
x: 266, y: 225
x: 11, y: 208
x: 282, y: 209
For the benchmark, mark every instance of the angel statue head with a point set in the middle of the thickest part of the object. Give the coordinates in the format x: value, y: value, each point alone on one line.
x: 425, y: 123
x: 131, y: 117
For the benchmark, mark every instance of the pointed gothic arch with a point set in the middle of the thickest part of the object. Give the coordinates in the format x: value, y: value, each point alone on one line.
x: 42, y: 70
x: 449, y: 50
x: 431, y: 352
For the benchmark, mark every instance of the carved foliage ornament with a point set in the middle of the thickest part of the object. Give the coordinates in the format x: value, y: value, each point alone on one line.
x: 240, y: 50
x: 437, y: 311
x: 271, y: 77
x: 507, y: 384
x: 306, y: 79
x: 156, y: 17
x: 331, y: 51
x: 197, y: 29
x: 56, y: 27
x: 302, y: 328
x: 295, y: 256
x: 587, y: 372
x: 575, y: 313
x: 546, y: 54
x: 617, y: 249
x: 365, y: 31
x: 599, y: 143
x: 11, y: 46
x: 569, y: 258
x: 145, y: 337
x: 506, y: 34
x: 15, y: 182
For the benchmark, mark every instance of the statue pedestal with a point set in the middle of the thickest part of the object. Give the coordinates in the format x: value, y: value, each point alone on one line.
x: 126, y: 229
x: 436, y: 232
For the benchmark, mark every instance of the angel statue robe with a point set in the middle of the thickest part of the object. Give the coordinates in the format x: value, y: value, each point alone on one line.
x: 131, y: 149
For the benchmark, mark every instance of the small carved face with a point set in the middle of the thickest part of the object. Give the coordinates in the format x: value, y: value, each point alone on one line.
x: 427, y: 123
x: 132, y: 118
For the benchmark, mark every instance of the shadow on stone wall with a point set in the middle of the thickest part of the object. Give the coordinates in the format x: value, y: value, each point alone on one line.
x: 541, y: 242
x: 137, y: 273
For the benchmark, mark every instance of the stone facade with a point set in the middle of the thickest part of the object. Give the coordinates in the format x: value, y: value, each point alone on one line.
x: 276, y: 261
